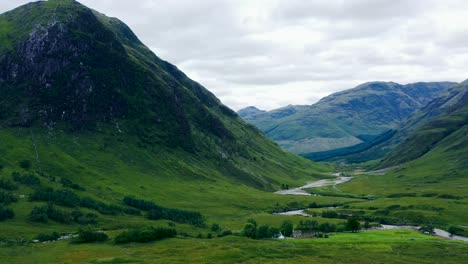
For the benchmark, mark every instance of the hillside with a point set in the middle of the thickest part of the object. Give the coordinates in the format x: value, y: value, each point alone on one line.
x: 346, y: 118
x: 442, y: 121
x: 414, y: 137
x: 88, y: 112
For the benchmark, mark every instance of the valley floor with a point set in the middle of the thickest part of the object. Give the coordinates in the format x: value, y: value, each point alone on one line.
x: 390, y: 246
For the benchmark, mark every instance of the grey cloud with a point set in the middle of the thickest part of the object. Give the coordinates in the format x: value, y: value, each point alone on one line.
x: 278, y: 52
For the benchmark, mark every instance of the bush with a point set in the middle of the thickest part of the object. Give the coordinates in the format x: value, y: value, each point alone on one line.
x: 215, y: 228
x: 39, y: 214
x: 44, y: 213
x: 454, y: 230
x: 48, y: 237
x: 29, y: 179
x: 8, y: 185
x: 84, y: 219
x: 7, y: 198
x: 25, y: 164
x: 145, y: 234
x: 6, y: 213
x: 68, y: 183
x: 225, y: 233
x: 88, y: 235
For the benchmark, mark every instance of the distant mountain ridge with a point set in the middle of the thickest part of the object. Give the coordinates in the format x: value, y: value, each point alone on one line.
x: 345, y: 118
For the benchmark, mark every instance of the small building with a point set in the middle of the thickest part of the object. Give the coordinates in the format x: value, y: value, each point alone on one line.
x: 304, y: 234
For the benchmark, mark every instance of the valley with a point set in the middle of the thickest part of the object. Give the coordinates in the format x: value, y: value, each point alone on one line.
x: 110, y: 154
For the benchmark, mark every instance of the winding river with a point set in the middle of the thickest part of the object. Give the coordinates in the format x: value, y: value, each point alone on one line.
x: 320, y: 183
x: 341, y: 179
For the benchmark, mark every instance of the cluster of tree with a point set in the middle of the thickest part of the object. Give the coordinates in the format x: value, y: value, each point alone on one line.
x: 145, y: 234
x: 48, y: 237
x: 71, y: 199
x: 6, y: 213
x: 311, y: 225
x: 353, y: 225
x: 284, y: 186
x: 7, y: 198
x: 68, y: 183
x: 106, y: 209
x: 156, y: 212
x: 333, y: 214
x: 44, y: 213
x: 8, y: 185
x: 28, y: 179
x: 88, y: 235
x: 251, y: 230
x: 59, y: 197
x: 315, y: 205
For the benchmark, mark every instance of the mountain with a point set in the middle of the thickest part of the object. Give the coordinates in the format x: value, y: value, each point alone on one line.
x: 446, y: 105
x: 348, y: 118
x: 441, y: 124
x: 89, y: 112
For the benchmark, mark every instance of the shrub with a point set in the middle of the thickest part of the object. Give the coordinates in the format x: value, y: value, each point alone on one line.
x: 87, y: 235
x: 25, y: 164
x: 68, y: 183
x: 8, y: 185
x: 82, y: 218
x: 6, y: 213
x: 28, y: 179
x: 145, y: 234
x: 454, y: 230
x: 44, y: 213
x: 225, y: 233
x: 215, y: 227
x: 7, y: 198
x: 48, y: 237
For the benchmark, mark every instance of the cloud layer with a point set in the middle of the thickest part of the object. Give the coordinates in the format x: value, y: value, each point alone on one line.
x: 270, y: 53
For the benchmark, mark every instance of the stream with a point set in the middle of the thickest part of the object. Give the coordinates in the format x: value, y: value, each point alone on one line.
x: 341, y: 179
x: 320, y: 183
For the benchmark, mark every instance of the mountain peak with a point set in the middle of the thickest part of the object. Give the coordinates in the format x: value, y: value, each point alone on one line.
x: 74, y: 67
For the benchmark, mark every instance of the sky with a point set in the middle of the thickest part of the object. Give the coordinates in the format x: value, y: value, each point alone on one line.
x: 272, y: 53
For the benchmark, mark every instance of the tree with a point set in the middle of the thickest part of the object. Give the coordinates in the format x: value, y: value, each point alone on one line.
x: 453, y: 230
x: 263, y: 231
x: 353, y: 225
x: 250, y: 230
x: 286, y: 228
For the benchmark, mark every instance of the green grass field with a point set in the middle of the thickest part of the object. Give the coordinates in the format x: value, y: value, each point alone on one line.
x: 395, y: 246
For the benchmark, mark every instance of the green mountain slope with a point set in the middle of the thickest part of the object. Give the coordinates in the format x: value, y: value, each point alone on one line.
x: 446, y: 104
x: 88, y: 110
x: 346, y: 118
x: 442, y: 119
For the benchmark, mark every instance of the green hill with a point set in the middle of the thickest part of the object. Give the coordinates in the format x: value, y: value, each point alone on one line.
x: 347, y: 118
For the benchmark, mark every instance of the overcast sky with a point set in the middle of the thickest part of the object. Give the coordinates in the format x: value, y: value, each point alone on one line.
x: 271, y: 53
